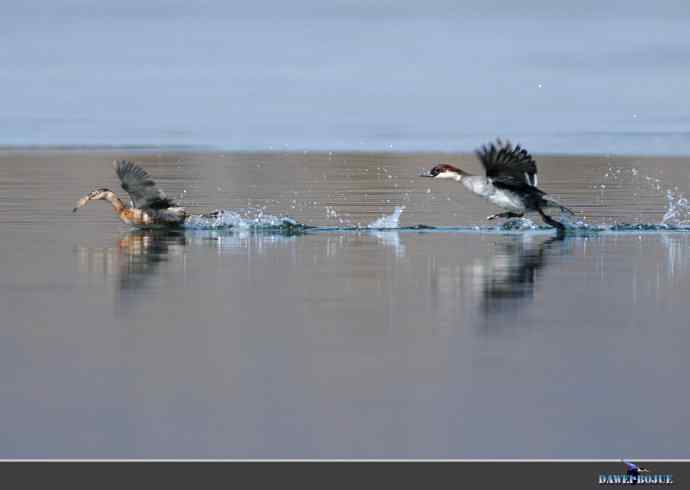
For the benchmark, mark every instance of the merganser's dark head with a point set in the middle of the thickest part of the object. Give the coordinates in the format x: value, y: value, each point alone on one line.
x: 94, y: 195
x: 444, y: 171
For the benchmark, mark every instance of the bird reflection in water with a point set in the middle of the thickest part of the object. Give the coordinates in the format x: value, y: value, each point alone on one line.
x: 136, y: 258
x: 508, y: 279
x: 142, y: 251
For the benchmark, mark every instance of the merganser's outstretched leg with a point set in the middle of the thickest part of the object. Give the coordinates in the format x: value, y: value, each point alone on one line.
x: 560, y: 227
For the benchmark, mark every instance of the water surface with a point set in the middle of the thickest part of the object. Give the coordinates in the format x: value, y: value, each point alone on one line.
x: 604, y: 77
x: 341, y: 342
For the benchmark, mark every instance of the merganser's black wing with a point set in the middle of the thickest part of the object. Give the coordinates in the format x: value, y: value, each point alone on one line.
x: 507, y: 165
x: 143, y: 191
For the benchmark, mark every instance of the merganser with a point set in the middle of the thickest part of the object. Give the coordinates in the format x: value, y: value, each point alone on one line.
x: 510, y: 182
x: 149, y: 206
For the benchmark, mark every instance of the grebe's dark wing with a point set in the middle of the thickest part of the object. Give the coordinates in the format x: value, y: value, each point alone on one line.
x: 143, y: 191
x: 508, y: 165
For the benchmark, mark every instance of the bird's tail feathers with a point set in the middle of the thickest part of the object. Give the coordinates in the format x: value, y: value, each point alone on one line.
x: 550, y: 202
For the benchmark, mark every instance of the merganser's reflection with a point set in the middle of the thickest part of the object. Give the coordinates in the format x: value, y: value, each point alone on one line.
x: 508, y: 278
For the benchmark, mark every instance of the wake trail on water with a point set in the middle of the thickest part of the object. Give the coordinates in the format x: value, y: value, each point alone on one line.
x: 234, y: 221
x: 240, y: 219
x: 255, y: 219
x: 676, y: 218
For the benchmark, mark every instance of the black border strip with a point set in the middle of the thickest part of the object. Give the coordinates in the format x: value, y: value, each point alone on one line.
x: 380, y: 474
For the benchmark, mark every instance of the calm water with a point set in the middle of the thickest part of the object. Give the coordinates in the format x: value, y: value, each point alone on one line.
x: 587, y: 76
x: 340, y: 343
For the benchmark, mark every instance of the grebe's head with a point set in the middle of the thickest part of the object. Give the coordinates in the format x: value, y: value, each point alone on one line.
x: 94, y: 195
x: 444, y: 171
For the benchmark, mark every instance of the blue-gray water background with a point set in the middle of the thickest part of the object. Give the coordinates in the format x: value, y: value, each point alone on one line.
x: 563, y: 77
x: 341, y: 344
x: 397, y: 343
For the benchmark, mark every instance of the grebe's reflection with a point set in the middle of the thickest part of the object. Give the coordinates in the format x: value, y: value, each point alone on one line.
x: 137, y: 257
x: 151, y: 260
x: 142, y: 251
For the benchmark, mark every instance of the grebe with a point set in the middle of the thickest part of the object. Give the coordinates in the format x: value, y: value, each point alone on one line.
x: 149, y: 206
x: 510, y: 182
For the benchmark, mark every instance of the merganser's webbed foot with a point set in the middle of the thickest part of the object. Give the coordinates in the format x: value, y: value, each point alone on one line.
x: 505, y: 215
x: 560, y: 227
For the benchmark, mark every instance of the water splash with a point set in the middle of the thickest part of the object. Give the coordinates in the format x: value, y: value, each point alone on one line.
x: 630, y: 181
x: 675, y: 219
x: 677, y: 211
x: 388, y: 222
x: 240, y: 219
x: 342, y: 220
x: 519, y: 224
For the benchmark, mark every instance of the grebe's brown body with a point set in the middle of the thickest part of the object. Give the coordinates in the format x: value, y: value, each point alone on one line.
x: 150, y: 207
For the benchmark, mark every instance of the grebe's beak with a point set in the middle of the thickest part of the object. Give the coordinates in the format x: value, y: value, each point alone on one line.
x: 81, y: 203
x: 425, y: 173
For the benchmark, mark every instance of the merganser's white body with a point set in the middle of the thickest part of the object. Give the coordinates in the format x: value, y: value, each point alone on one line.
x: 502, y: 198
x: 483, y: 187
